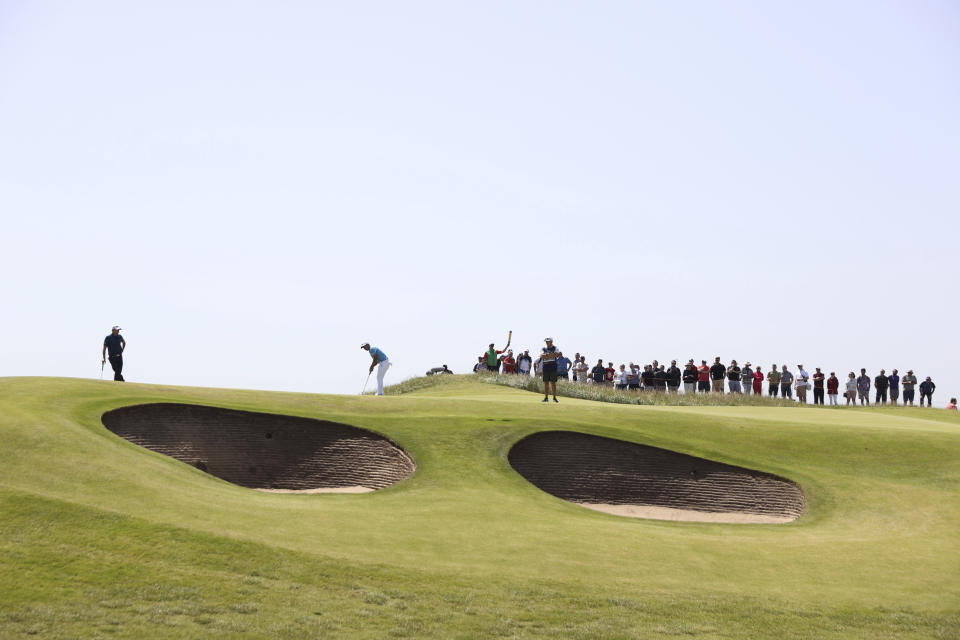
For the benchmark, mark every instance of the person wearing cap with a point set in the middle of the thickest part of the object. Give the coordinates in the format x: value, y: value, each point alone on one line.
x: 509, y: 363
x: 818, y: 379
x: 492, y: 356
x: 863, y: 387
x: 926, y: 391
x: 113, y: 346
x: 746, y: 378
x: 548, y: 360
x: 909, y: 382
x: 718, y: 373
x: 833, y: 387
x: 380, y: 361
x: 733, y: 377
x: 673, y: 377
x: 703, y: 377
x: 524, y: 363
x: 881, y: 383
x: 894, y: 381
x: 690, y: 376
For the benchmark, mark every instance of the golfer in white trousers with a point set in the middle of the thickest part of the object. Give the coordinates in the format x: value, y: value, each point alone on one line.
x: 380, y: 361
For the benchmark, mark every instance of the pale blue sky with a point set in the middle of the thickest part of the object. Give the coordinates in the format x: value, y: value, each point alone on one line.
x: 253, y: 189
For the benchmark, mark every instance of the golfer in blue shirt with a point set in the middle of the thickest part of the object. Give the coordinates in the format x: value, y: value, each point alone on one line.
x: 380, y: 361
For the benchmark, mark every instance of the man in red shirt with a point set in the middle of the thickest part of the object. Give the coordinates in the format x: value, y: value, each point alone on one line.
x: 509, y: 363
x: 703, y: 377
x: 608, y: 374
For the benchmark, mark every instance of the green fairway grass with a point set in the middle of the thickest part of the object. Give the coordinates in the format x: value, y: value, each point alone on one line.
x: 101, y: 538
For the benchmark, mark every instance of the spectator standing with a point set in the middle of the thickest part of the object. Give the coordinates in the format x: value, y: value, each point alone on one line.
x: 609, y: 373
x: 563, y: 367
x: 509, y: 363
x: 538, y: 367
x: 633, y: 377
x: 113, y: 348
x: 833, y: 387
x: 926, y: 391
x: 548, y: 359
x: 583, y: 370
x: 524, y: 363
x: 758, y: 382
x: 803, y: 383
x: 786, y: 383
x: 746, y: 378
x: 690, y: 376
x: 894, y: 381
x: 598, y: 372
x: 481, y: 365
x: 492, y: 357
x: 863, y: 387
x: 660, y: 379
x: 818, y: 379
x: 802, y: 373
x: 733, y: 377
x: 773, y: 380
x: 647, y: 378
x: 576, y: 361
x: 851, y: 392
x: 620, y: 378
x: 673, y: 377
x: 718, y: 373
x: 881, y: 383
x: 703, y: 377
x: 909, y: 382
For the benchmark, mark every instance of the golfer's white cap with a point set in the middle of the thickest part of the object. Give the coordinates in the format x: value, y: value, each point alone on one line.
x: 548, y: 339
x: 115, y: 327
x: 365, y: 344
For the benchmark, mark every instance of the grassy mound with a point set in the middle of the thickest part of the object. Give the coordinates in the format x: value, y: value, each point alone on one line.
x: 101, y: 538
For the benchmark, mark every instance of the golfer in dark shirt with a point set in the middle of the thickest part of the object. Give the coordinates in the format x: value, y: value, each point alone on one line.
x: 113, y: 345
x: 549, y: 368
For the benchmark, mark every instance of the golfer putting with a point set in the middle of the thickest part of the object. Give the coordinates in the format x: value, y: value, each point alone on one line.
x: 380, y: 361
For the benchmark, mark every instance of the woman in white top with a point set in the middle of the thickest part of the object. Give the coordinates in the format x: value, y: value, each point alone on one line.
x: 851, y: 394
x: 620, y: 378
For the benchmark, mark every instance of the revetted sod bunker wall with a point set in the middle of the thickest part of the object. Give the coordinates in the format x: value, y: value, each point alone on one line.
x: 261, y: 450
x: 591, y: 469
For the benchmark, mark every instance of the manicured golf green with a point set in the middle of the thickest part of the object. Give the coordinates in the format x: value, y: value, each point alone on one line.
x: 101, y: 538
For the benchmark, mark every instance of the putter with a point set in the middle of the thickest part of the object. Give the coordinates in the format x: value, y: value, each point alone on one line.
x: 365, y: 383
x: 101, y: 369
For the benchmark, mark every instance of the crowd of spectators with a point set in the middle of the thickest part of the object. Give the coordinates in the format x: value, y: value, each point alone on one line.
x: 722, y: 378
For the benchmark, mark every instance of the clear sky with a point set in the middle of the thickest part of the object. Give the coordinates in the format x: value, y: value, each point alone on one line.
x: 253, y: 189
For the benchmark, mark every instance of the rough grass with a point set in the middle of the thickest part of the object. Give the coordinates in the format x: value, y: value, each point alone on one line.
x: 99, y: 538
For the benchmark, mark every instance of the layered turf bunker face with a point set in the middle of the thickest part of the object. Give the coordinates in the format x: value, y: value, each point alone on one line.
x: 646, y: 482
x: 265, y: 451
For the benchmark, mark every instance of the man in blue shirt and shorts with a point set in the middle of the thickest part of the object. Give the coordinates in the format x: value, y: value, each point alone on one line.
x: 380, y: 361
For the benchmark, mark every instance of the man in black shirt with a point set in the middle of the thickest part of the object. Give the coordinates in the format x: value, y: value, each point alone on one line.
x: 673, y: 377
x: 690, y: 378
x: 718, y: 374
x: 647, y: 376
x: 881, y: 383
x: 733, y: 377
x: 660, y: 379
x: 114, y: 344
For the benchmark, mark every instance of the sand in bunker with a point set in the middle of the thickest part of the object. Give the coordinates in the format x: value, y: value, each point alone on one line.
x: 684, y: 515
x: 356, y: 489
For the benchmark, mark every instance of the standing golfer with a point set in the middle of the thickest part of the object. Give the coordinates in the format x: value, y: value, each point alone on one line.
x: 549, y: 364
x: 113, y: 345
x: 380, y: 361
